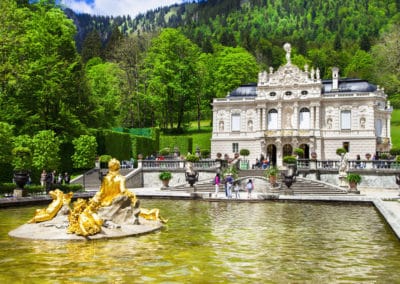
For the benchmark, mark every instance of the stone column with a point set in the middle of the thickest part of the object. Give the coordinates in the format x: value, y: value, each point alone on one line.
x: 296, y: 117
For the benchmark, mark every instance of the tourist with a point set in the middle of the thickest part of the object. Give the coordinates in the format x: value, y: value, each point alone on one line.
x: 257, y: 165
x: 43, y: 178
x: 49, y: 181
x: 229, y: 183
x: 358, y: 163
x: 249, y: 188
x: 236, y: 188
x: 217, y: 181
x: 60, y: 178
x: 67, y: 178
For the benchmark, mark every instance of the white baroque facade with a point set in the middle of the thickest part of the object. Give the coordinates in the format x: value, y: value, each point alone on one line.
x: 290, y: 108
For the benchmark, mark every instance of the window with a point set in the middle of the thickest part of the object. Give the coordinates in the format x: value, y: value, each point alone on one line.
x: 235, y: 126
x: 378, y: 127
x: 288, y: 93
x: 235, y: 147
x: 304, y: 118
x: 273, y: 119
x: 287, y: 150
x: 345, y: 119
x: 304, y: 93
x: 346, y: 146
x: 272, y: 94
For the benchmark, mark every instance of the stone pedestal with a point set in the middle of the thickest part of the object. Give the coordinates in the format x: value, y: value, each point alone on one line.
x: 18, y: 193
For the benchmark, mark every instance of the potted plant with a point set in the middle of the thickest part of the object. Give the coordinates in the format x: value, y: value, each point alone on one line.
x: 299, y: 152
x: 244, y: 165
x: 104, y: 159
x: 22, y: 162
x: 272, y: 174
x: 353, y: 180
x: 340, y: 151
x: 165, y: 177
x: 192, y: 158
x: 290, y: 160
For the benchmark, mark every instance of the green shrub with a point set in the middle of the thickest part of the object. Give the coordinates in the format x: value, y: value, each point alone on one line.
x: 244, y: 152
x: 165, y: 175
x: 289, y: 160
x: 299, y: 152
x: 352, y: 177
x: 340, y: 151
x: 192, y: 158
x: 272, y: 171
x: 205, y: 153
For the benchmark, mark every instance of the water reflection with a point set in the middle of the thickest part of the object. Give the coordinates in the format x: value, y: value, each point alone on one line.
x: 217, y: 242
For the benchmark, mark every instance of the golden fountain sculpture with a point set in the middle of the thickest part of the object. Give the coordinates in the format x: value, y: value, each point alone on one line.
x: 112, y: 207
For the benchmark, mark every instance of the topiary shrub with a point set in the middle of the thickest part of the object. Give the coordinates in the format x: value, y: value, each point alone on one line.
x: 340, y: 151
x: 289, y: 160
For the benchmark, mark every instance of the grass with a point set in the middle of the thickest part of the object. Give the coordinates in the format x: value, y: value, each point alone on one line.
x: 395, y: 128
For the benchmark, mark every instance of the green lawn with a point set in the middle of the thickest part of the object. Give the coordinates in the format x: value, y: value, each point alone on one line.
x: 395, y: 128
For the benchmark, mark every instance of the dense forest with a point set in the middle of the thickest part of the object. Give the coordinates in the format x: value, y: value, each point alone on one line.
x: 348, y: 34
x: 70, y: 72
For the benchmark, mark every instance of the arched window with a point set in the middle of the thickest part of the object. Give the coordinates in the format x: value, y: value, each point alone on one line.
x: 304, y: 118
x: 287, y: 150
x: 273, y: 119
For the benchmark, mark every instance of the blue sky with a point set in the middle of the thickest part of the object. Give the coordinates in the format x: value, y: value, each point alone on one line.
x: 116, y: 7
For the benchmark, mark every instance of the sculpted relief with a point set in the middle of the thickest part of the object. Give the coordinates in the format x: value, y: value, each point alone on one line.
x: 287, y: 113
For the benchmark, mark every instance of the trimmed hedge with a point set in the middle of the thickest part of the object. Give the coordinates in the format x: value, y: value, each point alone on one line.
x: 116, y: 144
x: 8, y: 188
x: 184, y: 143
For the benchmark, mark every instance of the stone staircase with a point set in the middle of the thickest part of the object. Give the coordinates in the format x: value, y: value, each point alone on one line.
x: 91, y: 179
x: 302, y: 186
x: 311, y: 187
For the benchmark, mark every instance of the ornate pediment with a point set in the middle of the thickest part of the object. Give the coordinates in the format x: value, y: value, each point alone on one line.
x: 288, y: 74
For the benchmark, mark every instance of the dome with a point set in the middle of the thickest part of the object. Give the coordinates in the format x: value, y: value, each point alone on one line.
x: 349, y: 85
x: 247, y: 90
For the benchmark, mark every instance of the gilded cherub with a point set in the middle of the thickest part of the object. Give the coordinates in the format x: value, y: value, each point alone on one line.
x: 59, y: 200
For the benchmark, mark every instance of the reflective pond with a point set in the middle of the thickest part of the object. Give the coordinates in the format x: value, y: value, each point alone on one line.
x: 217, y: 242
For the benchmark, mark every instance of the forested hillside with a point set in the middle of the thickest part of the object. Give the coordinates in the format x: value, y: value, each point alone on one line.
x: 163, y: 68
x: 323, y: 33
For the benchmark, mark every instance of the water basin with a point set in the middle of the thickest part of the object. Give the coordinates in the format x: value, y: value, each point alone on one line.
x: 217, y: 242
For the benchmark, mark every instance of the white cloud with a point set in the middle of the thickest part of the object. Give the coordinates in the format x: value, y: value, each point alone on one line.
x: 116, y: 7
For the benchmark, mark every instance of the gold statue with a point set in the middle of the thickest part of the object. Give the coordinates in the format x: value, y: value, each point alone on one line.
x: 113, y: 185
x: 59, y: 200
x: 112, y: 207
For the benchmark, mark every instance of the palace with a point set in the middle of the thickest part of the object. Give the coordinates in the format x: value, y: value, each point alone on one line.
x: 290, y: 108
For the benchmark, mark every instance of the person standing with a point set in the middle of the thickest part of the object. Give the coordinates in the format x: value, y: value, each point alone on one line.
x: 249, y: 188
x: 43, y: 178
x: 49, y: 182
x: 67, y: 178
x: 229, y: 183
x: 60, y: 178
x: 236, y: 188
x: 217, y: 182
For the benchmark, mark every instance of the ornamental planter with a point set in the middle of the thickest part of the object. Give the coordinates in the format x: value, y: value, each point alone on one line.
x: 20, y: 179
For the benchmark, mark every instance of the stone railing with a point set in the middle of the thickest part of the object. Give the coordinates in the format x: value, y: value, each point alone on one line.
x: 177, y: 164
x: 352, y: 164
